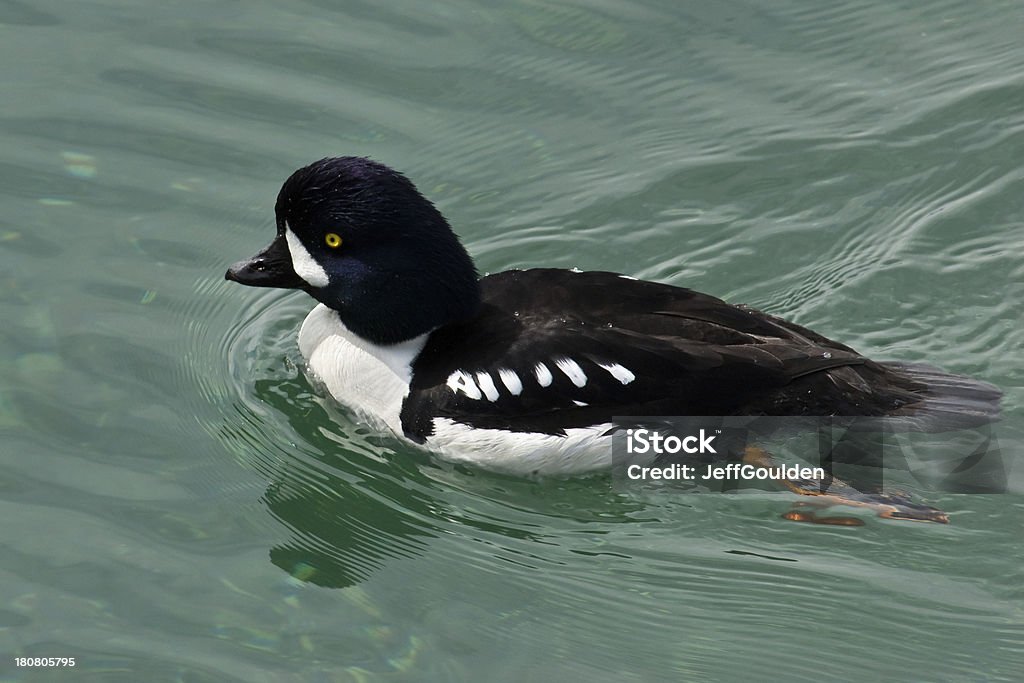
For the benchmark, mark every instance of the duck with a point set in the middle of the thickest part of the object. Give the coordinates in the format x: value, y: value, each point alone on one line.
x: 523, y: 371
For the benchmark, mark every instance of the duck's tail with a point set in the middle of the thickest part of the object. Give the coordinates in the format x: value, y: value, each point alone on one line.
x: 949, y: 402
x: 955, y: 448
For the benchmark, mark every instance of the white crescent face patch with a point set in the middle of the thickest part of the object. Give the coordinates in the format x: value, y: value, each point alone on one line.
x: 303, y: 263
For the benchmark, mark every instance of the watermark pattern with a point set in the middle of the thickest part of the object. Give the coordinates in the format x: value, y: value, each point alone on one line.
x: 863, y: 453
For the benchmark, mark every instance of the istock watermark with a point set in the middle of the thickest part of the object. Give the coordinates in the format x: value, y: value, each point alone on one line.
x: 641, y: 441
x: 867, y: 453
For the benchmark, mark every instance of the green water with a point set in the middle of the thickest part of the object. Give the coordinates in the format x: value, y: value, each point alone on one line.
x: 178, y: 503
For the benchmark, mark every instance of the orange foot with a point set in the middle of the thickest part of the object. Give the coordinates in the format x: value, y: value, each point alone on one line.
x: 838, y: 492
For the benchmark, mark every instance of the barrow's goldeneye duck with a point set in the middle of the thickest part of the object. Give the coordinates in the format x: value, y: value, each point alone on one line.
x: 522, y: 371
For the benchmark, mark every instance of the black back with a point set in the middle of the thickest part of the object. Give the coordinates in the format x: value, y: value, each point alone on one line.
x: 690, y: 353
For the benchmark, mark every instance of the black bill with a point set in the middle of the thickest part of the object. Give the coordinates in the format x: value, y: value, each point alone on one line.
x: 272, y: 267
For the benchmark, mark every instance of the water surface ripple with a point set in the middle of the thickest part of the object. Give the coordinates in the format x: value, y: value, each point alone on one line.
x: 181, y: 502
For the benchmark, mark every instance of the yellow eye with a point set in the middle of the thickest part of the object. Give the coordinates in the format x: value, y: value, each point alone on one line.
x: 333, y: 240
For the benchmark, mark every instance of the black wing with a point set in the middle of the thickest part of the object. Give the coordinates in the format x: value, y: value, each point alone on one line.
x: 612, y: 346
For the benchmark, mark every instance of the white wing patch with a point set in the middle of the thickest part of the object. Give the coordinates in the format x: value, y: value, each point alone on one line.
x: 487, y: 384
x: 619, y: 372
x: 511, y: 381
x: 461, y: 381
x: 303, y: 263
x: 581, y: 404
x: 543, y: 375
x: 482, y: 384
x: 572, y: 370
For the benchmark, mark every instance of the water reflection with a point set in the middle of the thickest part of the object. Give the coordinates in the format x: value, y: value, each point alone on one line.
x: 349, y: 511
x: 352, y: 502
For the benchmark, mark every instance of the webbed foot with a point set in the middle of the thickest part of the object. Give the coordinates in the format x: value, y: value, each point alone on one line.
x: 837, y: 492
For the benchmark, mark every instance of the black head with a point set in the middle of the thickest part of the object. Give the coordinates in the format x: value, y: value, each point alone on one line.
x: 359, y: 237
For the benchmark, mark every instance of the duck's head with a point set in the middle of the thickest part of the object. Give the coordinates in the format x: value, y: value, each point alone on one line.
x: 359, y: 237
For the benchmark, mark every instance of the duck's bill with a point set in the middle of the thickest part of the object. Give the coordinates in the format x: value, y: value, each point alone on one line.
x: 272, y: 267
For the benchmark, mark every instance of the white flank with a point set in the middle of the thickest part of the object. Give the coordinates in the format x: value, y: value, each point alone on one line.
x: 511, y: 381
x: 543, y: 375
x: 581, y: 404
x: 583, y: 449
x: 303, y: 263
x: 487, y: 384
x: 619, y: 372
x: 461, y: 381
x: 572, y: 370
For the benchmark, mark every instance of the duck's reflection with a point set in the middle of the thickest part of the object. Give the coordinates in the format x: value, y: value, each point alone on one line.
x: 349, y: 511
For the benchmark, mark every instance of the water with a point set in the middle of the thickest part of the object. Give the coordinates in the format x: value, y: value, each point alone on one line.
x: 180, y: 504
